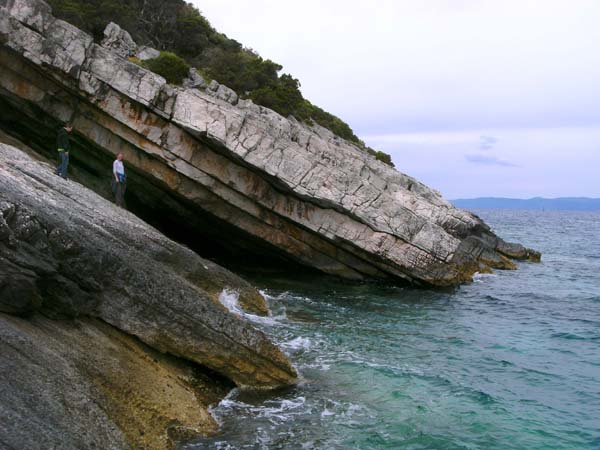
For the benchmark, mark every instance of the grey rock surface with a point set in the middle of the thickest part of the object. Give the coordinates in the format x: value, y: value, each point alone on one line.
x: 195, y: 80
x: 318, y: 199
x: 119, y: 41
x: 145, y: 53
x: 67, y: 252
x: 82, y: 384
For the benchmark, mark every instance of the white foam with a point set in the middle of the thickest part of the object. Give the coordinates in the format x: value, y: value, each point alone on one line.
x: 327, y: 413
x: 230, y: 300
x: 299, y: 343
x: 479, y: 277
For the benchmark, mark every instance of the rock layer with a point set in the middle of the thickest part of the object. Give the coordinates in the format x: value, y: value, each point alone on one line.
x: 287, y: 188
x: 66, y: 252
x: 82, y: 384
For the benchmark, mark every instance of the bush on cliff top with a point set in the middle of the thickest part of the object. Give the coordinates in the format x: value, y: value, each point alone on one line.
x: 170, y: 66
x: 178, y: 27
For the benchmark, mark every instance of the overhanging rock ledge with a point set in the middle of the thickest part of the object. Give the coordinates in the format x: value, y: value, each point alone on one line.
x: 278, y: 186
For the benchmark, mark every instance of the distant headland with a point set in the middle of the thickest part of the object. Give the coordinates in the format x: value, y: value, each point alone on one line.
x: 536, y: 204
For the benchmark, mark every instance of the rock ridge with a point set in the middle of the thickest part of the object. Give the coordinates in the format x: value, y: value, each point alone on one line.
x: 295, y: 189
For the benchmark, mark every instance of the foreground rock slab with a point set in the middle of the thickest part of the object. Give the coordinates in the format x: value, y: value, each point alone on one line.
x: 67, y: 252
x: 106, y: 324
x: 82, y: 384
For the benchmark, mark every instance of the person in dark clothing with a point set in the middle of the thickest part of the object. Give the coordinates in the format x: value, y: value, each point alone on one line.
x: 119, y: 181
x: 63, y: 146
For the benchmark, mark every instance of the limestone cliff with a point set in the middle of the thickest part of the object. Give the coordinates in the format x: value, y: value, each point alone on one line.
x: 276, y: 185
x: 229, y: 170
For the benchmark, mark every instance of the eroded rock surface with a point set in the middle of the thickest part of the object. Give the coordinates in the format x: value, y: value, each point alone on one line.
x: 283, y: 186
x: 82, y: 384
x: 67, y: 253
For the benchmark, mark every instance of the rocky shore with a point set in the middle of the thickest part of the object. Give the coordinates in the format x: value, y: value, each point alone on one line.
x: 109, y: 331
x: 112, y: 334
x: 223, y: 168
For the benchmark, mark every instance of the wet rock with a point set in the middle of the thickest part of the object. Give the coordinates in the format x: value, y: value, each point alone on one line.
x: 83, y: 384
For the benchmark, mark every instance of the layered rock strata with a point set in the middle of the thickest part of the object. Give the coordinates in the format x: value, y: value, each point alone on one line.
x: 278, y: 186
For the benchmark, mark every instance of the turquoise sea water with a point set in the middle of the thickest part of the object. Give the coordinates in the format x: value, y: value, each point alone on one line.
x: 511, y: 361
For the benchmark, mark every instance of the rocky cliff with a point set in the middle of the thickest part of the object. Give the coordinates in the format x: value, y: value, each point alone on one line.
x: 227, y: 171
x: 111, y: 335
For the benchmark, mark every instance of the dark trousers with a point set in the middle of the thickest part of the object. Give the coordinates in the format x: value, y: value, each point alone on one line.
x: 119, y: 190
x: 63, y: 164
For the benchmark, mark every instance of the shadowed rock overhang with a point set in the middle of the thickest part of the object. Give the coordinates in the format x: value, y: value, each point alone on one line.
x: 221, y: 173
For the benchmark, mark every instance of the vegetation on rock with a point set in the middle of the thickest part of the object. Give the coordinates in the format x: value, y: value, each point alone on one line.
x: 170, y: 66
x: 178, y: 27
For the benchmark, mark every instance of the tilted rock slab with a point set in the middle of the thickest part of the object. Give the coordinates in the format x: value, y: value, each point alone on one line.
x: 82, y: 384
x: 67, y: 252
x: 319, y: 199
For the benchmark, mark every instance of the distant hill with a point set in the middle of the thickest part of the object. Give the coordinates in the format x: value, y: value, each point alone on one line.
x: 536, y: 204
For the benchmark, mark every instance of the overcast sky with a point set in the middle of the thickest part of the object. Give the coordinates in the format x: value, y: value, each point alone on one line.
x: 473, y: 97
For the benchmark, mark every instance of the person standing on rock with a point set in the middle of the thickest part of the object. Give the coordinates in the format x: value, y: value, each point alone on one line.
x: 120, y: 180
x: 63, y: 146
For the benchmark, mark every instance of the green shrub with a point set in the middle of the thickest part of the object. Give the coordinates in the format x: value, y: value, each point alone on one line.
x: 384, y: 157
x: 173, y: 68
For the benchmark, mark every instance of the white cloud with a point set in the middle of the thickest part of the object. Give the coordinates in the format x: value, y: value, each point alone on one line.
x: 530, y: 162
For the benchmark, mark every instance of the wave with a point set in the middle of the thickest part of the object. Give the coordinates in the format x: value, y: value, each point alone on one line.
x: 230, y: 299
x: 573, y: 336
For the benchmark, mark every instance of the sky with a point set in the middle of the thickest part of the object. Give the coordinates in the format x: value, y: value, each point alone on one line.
x: 473, y: 97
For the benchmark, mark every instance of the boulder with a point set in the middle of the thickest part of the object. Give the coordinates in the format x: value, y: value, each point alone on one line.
x: 145, y: 53
x: 195, y: 80
x: 36, y: 14
x: 246, y: 177
x: 119, y: 41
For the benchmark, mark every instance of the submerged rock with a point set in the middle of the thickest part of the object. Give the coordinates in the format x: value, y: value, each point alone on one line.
x: 239, y: 174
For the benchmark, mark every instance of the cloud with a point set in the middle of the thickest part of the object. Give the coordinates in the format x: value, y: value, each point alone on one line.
x: 487, y: 142
x: 398, y: 76
x: 488, y: 160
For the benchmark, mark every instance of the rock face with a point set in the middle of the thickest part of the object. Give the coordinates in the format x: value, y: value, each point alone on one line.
x: 231, y: 171
x: 120, y: 41
x: 67, y: 252
x: 111, y: 324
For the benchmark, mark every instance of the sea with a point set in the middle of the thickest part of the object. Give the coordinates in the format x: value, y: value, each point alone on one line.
x: 510, y: 361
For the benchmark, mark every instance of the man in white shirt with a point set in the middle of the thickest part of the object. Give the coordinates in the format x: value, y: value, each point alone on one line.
x: 120, y: 180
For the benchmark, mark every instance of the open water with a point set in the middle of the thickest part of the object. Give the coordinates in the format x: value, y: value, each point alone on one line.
x: 511, y: 361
